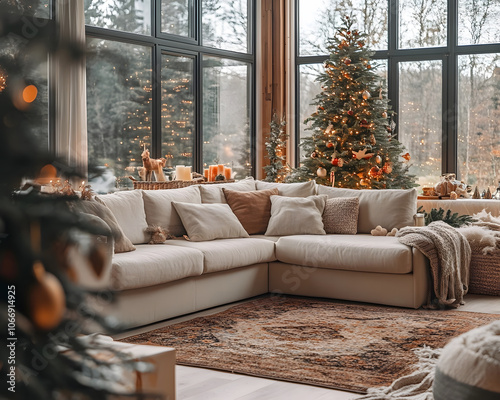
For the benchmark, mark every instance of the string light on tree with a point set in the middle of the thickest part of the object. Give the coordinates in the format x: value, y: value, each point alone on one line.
x: 352, y: 133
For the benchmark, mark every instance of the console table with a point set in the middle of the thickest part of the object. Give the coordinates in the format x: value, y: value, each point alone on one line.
x: 462, y: 206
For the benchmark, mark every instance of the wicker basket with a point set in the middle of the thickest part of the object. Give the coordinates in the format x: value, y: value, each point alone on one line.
x: 153, y: 185
x: 484, y: 275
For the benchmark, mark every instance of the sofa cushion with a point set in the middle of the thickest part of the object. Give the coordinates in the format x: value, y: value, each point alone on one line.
x: 341, y: 215
x: 212, y: 193
x: 153, y: 264
x: 389, y: 208
x: 224, y: 254
x: 366, y: 253
x: 302, y: 189
x: 121, y: 243
x: 159, y: 209
x: 253, y: 209
x: 296, y: 216
x: 128, y: 209
x: 209, y: 221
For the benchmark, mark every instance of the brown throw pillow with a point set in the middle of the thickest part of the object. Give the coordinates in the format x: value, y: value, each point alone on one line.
x: 122, y: 243
x: 253, y: 209
x: 341, y: 215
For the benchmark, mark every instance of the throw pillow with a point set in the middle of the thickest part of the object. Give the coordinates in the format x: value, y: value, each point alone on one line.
x: 128, y: 209
x: 390, y: 208
x: 122, y: 243
x: 209, y: 221
x: 341, y: 215
x: 212, y: 193
x: 159, y: 209
x: 296, y: 216
x: 253, y: 209
x: 302, y: 189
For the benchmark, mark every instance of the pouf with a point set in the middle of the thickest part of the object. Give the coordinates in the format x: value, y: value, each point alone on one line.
x: 469, y: 366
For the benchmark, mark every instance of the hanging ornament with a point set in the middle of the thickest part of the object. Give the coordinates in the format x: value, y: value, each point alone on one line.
x: 364, y: 123
x: 321, y: 172
x: 340, y: 163
x: 332, y: 178
x: 373, y: 141
x: 347, y: 61
x: 384, y: 114
x: 362, y: 154
x: 387, y: 168
x: 314, y: 154
x: 46, y: 299
x: 335, y: 162
x: 378, y: 159
x: 406, y: 156
x: 350, y: 112
x: 329, y: 145
x: 366, y: 95
x: 374, y: 172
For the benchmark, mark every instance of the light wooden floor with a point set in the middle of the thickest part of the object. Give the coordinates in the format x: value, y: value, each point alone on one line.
x: 205, y: 384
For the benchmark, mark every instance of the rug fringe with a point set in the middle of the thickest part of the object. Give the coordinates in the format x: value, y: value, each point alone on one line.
x: 415, y: 386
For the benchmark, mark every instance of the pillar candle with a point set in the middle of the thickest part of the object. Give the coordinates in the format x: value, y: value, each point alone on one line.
x: 212, y: 173
x: 220, y: 169
x: 205, y: 173
x: 188, y: 176
x: 227, y: 172
x: 179, y: 169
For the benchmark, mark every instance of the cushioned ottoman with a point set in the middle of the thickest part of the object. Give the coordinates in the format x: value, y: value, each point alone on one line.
x: 469, y: 366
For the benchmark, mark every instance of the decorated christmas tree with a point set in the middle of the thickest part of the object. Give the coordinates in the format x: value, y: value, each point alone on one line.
x: 352, y: 143
x: 275, y: 147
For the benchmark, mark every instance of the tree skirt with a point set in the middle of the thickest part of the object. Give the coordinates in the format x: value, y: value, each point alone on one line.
x: 340, y: 345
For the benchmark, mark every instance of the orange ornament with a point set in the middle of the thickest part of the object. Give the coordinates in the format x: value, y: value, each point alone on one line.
x: 47, y: 301
x: 406, y: 156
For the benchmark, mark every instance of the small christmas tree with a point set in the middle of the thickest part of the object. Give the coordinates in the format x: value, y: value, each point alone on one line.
x: 353, y: 143
x: 275, y: 146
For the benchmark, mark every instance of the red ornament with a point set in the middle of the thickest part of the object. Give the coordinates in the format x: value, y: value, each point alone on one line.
x: 347, y: 61
x: 374, y: 171
x: 329, y: 145
x: 350, y: 112
x: 335, y: 162
x: 368, y: 66
x: 321, y: 107
x: 364, y: 122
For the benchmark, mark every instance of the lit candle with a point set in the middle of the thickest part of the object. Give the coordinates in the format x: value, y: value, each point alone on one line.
x: 227, y: 172
x: 212, y: 173
x: 178, y: 172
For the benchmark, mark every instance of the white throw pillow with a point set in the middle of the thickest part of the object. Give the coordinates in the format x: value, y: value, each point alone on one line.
x: 159, y: 209
x: 209, y: 221
x: 302, y: 189
x: 128, y: 209
x: 389, y: 208
x: 296, y: 216
x: 212, y: 193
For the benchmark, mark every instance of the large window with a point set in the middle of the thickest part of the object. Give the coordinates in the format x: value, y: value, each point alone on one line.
x: 175, y: 77
x: 442, y: 59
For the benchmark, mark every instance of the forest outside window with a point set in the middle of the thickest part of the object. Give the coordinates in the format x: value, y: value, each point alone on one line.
x: 445, y: 130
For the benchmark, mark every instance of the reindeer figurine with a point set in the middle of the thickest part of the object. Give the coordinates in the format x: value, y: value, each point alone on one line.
x: 152, y: 165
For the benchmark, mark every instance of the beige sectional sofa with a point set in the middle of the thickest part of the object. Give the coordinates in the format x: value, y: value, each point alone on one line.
x: 160, y: 281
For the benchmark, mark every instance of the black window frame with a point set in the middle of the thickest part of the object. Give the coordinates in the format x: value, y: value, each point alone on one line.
x: 394, y: 55
x: 160, y: 41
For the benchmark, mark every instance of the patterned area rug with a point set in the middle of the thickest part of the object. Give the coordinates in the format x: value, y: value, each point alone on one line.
x: 334, y: 344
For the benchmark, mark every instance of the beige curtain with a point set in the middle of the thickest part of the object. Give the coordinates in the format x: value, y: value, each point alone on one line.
x: 70, y: 88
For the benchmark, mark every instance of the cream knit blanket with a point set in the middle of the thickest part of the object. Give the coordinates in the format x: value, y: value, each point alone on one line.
x: 449, y: 254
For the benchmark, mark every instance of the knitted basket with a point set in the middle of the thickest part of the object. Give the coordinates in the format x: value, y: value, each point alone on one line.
x: 484, y: 275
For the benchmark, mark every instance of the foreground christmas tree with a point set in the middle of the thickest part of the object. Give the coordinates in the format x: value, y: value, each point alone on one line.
x: 353, y: 143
